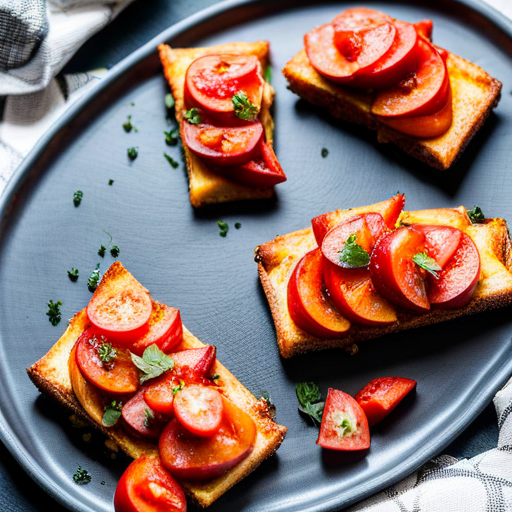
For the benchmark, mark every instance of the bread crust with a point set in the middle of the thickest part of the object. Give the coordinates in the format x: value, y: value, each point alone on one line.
x: 475, y: 94
x: 51, y: 376
x: 205, y: 186
x: 277, y: 259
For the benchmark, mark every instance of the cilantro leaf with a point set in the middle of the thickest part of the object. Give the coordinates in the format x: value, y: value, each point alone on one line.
x: 193, y: 116
x: 73, y: 274
x: 352, y: 254
x: 152, y: 363
x: 309, y: 396
x: 54, y: 312
x: 476, y: 215
x: 423, y: 260
x: 112, y: 413
x: 244, y: 109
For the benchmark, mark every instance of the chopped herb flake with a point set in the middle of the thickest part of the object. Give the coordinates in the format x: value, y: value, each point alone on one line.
x: 54, y: 312
x: 244, y: 109
x: 268, y: 74
x: 149, y: 417
x: 423, y: 260
x: 169, y: 101
x: 152, y: 363
x: 352, y: 254
x: 325, y: 152
x: 112, y: 413
x: 73, y: 274
x: 107, y: 353
x: 133, y: 153
x: 476, y: 215
x: 114, y: 251
x: 171, y: 160
x: 224, y: 228
x: 178, y: 388
x: 193, y: 116
x: 110, y: 182
x: 238, y: 225
x: 309, y: 396
x: 82, y: 476
x: 101, y: 250
x: 171, y: 138
x: 94, y: 279
x: 77, y: 197
x: 128, y: 126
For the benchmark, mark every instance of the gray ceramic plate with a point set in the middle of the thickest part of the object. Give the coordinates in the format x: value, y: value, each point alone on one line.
x: 178, y: 255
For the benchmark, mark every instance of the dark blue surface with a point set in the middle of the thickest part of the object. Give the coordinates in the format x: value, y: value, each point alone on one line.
x: 135, y: 26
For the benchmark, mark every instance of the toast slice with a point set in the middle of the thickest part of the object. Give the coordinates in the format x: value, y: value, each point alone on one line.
x: 277, y: 259
x: 206, y: 186
x: 52, y: 377
x: 475, y: 93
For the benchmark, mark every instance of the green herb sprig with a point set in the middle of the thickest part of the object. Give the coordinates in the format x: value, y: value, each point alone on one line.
x: 172, y: 137
x: 107, y: 353
x: 77, y: 198
x: 423, y: 260
x: 94, y: 279
x: 352, y: 254
x: 192, y: 116
x: 54, y: 314
x: 128, y: 126
x: 224, y: 228
x: 133, y: 153
x: 310, y: 400
x: 112, y: 413
x: 114, y: 251
x: 244, y: 109
x: 476, y: 215
x: 73, y: 274
x: 152, y: 363
x: 81, y: 477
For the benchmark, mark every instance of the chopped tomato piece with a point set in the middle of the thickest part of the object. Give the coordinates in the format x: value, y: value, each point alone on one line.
x: 381, y: 396
x: 146, y: 486
x: 159, y: 393
x: 140, y: 419
x: 199, y: 409
x: 309, y: 304
x: 223, y: 146
x: 424, y: 28
x: 192, y: 457
x: 344, y: 424
x: 120, y: 307
x: 106, y: 365
x: 195, y: 363
x: 165, y: 329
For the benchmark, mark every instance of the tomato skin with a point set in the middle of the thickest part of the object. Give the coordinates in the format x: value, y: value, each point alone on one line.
x: 212, y: 81
x: 190, y: 457
x: 224, y: 146
x: 120, y: 307
x: 338, y: 407
x: 199, y: 409
x: 308, y: 304
x: 165, y: 329
x: 379, y: 397
x: 135, y: 415
x: 145, y: 486
x: 120, y: 376
x: 393, y: 272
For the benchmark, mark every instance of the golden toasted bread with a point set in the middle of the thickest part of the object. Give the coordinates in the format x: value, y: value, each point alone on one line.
x: 206, y: 186
x: 57, y: 376
x: 475, y: 93
x: 277, y: 259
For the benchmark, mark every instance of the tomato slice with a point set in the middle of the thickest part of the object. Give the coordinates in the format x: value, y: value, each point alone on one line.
x: 422, y: 93
x: 195, y: 364
x: 441, y: 242
x: 199, y: 409
x: 159, y: 393
x: 394, y: 273
x: 309, y: 304
x: 191, y: 457
x: 145, y: 486
x: 212, y: 81
x: 263, y: 171
x: 120, y: 307
x: 359, y: 18
x: 344, y: 424
x: 381, y: 396
x: 105, y: 365
x: 424, y: 28
x: 165, y: 329
x: 223, y: 146
x: 140, y: 419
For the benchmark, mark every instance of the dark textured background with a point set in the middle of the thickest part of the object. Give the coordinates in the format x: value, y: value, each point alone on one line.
x: 135, y: 26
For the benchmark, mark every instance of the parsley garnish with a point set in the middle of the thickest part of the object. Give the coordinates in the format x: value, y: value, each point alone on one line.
x: 346, y: 426
x: 178, y: 388
x: 224, y: 228
x: 423, y: 260
x: 171, y: 160
x: 309, y: 396
x: 352, y: 254
x: 112, y: 413
x: 476, y: 215
x: 133, y: 153
x: 128, y: 126
x: 77, y: 197
x: 73, y: 274
x: 238, y: 225
x: 152, y: 363
x: 171, y: 138
x: 193, y: 116
x: 325, y: 152
x: 244, y: 109
x: 82, y: 476
x: 169, y: 101
x: 110, y: 182
x: 101, y: 250
x: 94, y: 279
x: 114, y: 251
x: 107, y: 353
x: 215, y: 376
x: 54, y: 311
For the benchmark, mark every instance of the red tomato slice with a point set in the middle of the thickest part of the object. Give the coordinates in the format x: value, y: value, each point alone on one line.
x: 118, y: 376
x: 424, y: 92
x: 359, y: 18
x: 165, y: 329
x: 394, y: 273
x: 424, y: 28
x: 120, y: 307
x: 458, y: 279
x: 212, y: 81
x: 140, y: 419
x: 389, y: 209
x: 192, y: 457
x: 308, y: 303
x: 396, y: 64
x: 264, y: 171
x: 222, y: 146
x: 344, y: 424
x: 381, y: 396
x: 353, y: 294
x: 159, y: 393
x: 199, y: 409
x: 146, y: 486
x: 195, y: 363
x: 441, y: 242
